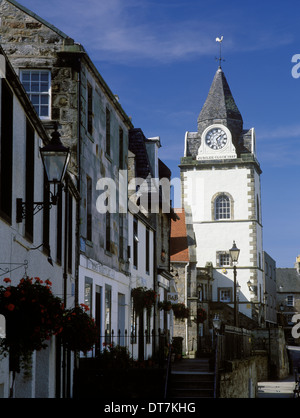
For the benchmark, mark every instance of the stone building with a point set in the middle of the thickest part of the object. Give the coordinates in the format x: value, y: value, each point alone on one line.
x: 38, y: 242
x: 149, y: 232
x: 66, y: 88
x: 270, y: 296
x: 180, y: 262
x: 220, y: 177
x: 288, y: 299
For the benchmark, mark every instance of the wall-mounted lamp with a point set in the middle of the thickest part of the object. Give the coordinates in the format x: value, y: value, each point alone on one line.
x: 250, y: 286
x: 216, y: 323
x: 55, y: 158
x: 47, y: 246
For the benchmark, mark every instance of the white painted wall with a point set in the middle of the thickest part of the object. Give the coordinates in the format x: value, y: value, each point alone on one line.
x: 200, y: 187
x: 139, y: 276
x: 15, y: 249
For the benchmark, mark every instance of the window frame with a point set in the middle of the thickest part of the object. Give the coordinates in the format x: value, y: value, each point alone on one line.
x: 222, y: 290
x: 135, y: 241
x: 219, y: 256
x: 290, y: 300
x: 108, y: 133
x: 6, y: 151
x: 39, y: 92
x: 90, y: 109
x: 147, y: 250
x: 89, y: 217
x: 220, y: 209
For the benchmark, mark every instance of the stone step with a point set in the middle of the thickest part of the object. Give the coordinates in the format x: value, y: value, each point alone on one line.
x: 191, y: 378
x: 191, y: 393
x: 191, y: 384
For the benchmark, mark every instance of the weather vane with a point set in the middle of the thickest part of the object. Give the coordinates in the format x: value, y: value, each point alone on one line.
x: 220, y: 59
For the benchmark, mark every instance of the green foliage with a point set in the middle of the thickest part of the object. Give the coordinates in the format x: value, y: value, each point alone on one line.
x: 180, y: 310
x: 115, y: 356
x: 79, y: 332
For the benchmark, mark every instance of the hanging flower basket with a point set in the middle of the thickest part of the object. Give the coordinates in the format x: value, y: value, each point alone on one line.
x: 79, y: 331
x: 33, y: 314
x: 143, y: 298
x: 180, y: 310
x: 164, y: 305
x: 201, y: 315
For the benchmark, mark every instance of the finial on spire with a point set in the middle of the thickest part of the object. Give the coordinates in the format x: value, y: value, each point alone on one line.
x: 220, y: 59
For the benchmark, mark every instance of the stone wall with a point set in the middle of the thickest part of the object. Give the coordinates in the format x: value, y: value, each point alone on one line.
x: 242, y: 380
x: 273, y: 340
x: 33, y: 43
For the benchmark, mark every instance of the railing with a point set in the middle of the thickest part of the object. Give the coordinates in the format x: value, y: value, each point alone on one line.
x: 148, y: 345
x: 168, y: 370
x: 234, y: 343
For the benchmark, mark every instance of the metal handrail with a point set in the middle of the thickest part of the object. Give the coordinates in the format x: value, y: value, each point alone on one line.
x: 216, y: 366
x: 168, y: 370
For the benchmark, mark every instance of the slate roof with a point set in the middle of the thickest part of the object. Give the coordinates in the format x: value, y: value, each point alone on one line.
x: 289, y: 278
x: 220, y: 103
x: 164, y: 171
x: 220, y: 107
x: 178, y: 242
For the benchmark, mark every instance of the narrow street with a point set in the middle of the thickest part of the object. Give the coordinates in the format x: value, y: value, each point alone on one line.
x: 281, y: 388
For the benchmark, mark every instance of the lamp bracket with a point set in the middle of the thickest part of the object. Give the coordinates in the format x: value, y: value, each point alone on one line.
x: 12, y: 267
x: 24, y: 208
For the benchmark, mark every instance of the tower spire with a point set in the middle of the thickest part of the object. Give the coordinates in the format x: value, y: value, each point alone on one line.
x: 220, y: 59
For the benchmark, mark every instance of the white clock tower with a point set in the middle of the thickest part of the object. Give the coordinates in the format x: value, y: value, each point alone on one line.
x: 221, y: 196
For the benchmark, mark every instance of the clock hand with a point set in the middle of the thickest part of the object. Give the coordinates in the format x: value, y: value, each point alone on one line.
x: 217, y: 139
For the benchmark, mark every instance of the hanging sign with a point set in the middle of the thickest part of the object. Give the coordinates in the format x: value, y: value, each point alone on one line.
x: 172, y: 297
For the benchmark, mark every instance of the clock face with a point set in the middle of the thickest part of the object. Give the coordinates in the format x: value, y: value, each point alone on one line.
x: 216, y: 138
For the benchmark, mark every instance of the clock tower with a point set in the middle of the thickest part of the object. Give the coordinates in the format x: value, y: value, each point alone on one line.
x: 220, y: 178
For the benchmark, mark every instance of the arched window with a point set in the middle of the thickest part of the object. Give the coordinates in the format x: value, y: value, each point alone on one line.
x: 222, y: 207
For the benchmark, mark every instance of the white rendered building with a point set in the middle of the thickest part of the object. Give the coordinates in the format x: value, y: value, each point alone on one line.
x: 221, y: 196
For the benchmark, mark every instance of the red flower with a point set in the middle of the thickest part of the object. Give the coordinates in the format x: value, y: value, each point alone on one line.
x: 10, y: 307
x: 7, y: 280
x: 7, y: 294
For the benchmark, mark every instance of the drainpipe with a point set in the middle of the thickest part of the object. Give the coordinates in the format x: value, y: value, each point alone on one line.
x: 185, y: 301
x: 78, y: 184
x: 155, y: 288
x: 65, y: 276
x: 77, y: 244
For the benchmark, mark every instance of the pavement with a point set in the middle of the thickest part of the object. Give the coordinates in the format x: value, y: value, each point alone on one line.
x: 281, y: 388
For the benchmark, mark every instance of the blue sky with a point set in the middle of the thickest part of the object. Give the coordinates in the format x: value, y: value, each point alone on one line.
x: 158, y: 56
